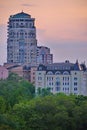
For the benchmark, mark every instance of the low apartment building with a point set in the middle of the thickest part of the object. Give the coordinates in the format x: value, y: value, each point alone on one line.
x: 66, y: 77
x: 3, y: 72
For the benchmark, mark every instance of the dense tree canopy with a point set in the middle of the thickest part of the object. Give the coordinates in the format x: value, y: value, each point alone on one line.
x: 20, y: 109
x: 55, y: 112
x: 15, y: 89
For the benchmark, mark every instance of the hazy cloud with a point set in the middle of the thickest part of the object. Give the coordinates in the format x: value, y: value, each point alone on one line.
x: 1, y: 6
x: 30, y: 5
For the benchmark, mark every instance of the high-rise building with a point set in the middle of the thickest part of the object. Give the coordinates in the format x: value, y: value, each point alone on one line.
x: 22, y: 44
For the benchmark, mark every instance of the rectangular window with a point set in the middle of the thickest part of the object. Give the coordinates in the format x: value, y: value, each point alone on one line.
x: 57, y: 88
x: 39, y: 78
x: 75, y: 83
x: 75, y: 89
x: 75, y: 78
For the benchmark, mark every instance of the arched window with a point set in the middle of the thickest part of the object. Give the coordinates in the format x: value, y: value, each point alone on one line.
x: 50, y: 73
x: 57, y: 73
x: 66, y: 73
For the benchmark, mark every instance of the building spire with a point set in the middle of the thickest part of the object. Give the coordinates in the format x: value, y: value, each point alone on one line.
x: 22, y: 11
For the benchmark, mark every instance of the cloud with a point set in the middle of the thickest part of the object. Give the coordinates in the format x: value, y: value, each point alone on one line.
x: 28, y: 5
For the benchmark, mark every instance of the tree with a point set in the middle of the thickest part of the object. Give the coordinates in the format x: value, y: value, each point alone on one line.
x: 44, y: 92
x: 2, y: 105
x: 14, y: 89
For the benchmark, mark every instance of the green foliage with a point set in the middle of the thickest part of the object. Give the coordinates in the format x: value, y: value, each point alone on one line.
x: 2, y: 105
x: 14, y: 77
x: 54, y: 112
x: 43, y: 92
x: 80, y: 99
x: 20, y: 109
x: 6, y: 123
x: 15, y: 89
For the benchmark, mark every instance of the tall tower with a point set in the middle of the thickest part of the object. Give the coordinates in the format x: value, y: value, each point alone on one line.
x: 21, y: 42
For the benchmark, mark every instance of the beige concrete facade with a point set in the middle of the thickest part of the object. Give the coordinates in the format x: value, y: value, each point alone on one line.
x: 67, y: 81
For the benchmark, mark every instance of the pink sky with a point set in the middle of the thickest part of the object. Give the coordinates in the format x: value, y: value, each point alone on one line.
x: 61, y: 25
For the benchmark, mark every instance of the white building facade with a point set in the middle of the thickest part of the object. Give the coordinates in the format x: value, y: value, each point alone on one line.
x: 64, y: 77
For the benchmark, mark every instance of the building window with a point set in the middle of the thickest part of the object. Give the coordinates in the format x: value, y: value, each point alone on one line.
x: 39, y: 78
x: 68, y: 83
x: 50, y: 83
x: 75, y: 89
x: 75, y: 83
x: 75, y: 73
x: 50, y: 73
x: 57, y: 73
x: 33, y: 78
x: 75, y: 78
x: 49, y: 78
x: 66, y: 73
x: 57, y: 83
x: 57, y: 88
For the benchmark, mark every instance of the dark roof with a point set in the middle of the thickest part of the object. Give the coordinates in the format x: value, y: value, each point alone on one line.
x: 83, y: 66
x: 64, y: 66
x: 26, y: 67
x: 21, y: 15
x: 60, y: 66
x: 41, y: 67
x: 77, y: 66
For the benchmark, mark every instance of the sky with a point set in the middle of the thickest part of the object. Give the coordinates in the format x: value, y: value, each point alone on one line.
x: 61, y: 25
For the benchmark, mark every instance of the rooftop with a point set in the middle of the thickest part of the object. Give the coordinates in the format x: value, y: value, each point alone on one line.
x: 21, y: 15
x: 64, y: 66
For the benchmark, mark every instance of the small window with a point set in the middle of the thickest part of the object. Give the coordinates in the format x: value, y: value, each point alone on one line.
x: 75, y: 73
x: 75, y: 78
x: 57, y: 88
x: 75, y: 83
x: 75, y: 89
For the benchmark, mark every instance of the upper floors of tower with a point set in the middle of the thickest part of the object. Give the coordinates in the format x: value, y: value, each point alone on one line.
x: 21, y: 20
